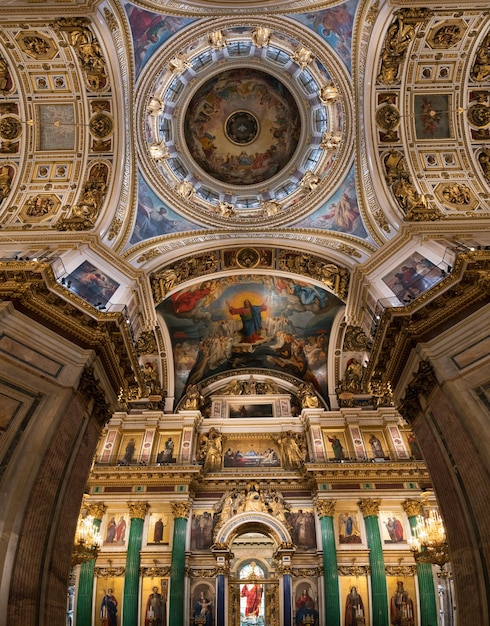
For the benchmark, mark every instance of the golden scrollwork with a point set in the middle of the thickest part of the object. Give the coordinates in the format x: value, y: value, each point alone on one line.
x: 85, y: 213
x: 180, y: 509
x: 369, y: 507
x: 310, y: 181
x: 10, y: 127
x: 356, y: 340
x: 138, y: 510
x: 325, y: 508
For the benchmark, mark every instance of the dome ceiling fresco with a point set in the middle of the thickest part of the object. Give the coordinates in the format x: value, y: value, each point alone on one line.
x: 242, y: 126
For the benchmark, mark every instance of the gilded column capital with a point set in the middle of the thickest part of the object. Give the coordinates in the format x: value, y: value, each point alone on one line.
x: 97, y: 510
x: 412, y: 507
x: 369, y: 507
x: 181, y: 509
x: 325, y: 508
x: 138, y: 510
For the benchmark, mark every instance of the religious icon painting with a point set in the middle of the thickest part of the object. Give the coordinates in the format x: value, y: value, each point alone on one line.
x: 303, y: 528
x: 349, y: 530
x: 392, y: 527
x: 159, y: 528
x: 202, y: 609
x: 336, y: 446
x: 128, y: 451
x: 202, y: 528
x: 116, y: 530
x: 168, y: 447
x: 376, y: 445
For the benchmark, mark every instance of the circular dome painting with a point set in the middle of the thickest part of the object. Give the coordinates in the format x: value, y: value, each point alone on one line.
x: 242, y: 126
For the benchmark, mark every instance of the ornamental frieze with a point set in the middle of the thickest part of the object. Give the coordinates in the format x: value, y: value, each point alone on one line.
x: 166, y: 279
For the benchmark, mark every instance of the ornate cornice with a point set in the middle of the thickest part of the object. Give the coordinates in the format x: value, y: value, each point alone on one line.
x: 325, y: 508
x: 138, y: 510
x: 369, y: 507
x: 366, y: 472
x: 32, y: 288
x: 401, y: 570
x: 354, y: 570
x: 181, y: 509
x: 401, y: 328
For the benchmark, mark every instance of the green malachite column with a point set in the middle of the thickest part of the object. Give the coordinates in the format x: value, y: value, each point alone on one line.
x: 427, y: 592
x: 86, y: 578
x: 379, y: 591
x: 130, y: 613
x: 325, y: 509
x: 180, y: 512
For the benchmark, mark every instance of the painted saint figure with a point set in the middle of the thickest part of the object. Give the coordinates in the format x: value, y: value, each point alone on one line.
x: 202, y: 610
x: 155, y: 609
x: 158, y: 531
x: 250, y: 315
x: 108, y: 609
x: 401, y: 607
x: 337, y: 447
x: 354, y: 608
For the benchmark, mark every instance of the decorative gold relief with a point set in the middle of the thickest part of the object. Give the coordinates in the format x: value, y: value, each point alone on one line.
x: 40, y: 207
x: 302, y: 56
x: 446, y: 34
x: 10, y: 127
x: 6, y: 177
x: 261, y: 36
x: 85, y: 213
x: 97, y: 510
x: 456, y: 196
x: 101, y: 125
x: 422, y: 383
x: 6, y: 83
x: 484, y: 160
x: 356, y: 340
x: 37, y: 45
x: 88, y: 50
x: 481, y: 66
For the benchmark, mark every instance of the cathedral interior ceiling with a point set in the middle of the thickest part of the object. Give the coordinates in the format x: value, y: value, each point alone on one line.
x: 156, y: 156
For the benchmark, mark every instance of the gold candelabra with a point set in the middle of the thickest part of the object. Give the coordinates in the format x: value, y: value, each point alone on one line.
x: 428, y: 542
x: 87, y: 541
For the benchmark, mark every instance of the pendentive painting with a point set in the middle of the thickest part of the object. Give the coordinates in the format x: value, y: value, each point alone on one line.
x: 264, y: 322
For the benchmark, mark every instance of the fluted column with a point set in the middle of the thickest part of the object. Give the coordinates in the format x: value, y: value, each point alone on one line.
x: 180, y: 511
x: 325, y: 510
x: 427, y: 593
x: 137, y: 514
x: 86, y: 578
x: 379, y: 591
